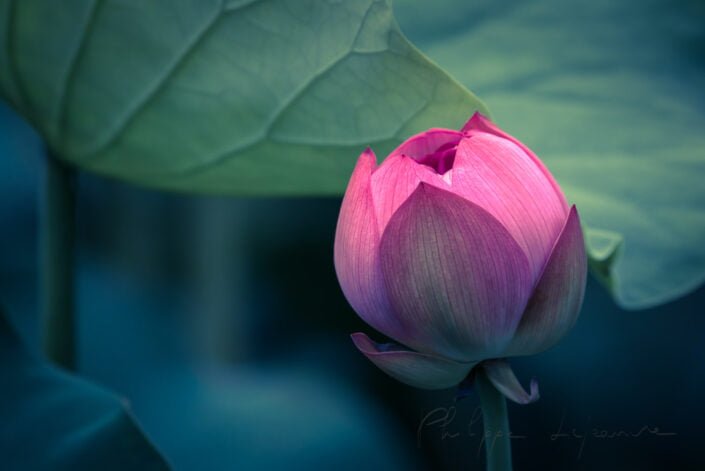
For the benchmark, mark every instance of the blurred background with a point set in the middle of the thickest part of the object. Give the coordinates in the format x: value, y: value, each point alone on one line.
x: 220, y: 320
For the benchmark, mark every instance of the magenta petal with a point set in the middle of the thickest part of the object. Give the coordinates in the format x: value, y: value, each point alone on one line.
x: 420, y: 370
x: 479, y: 123
x: 555, y: 303
x: 499, y: 176
x: 427, y: 142
x: 502, y: 377
x: 356, y: 250
x: 456, y: 279
x: 394, y: 181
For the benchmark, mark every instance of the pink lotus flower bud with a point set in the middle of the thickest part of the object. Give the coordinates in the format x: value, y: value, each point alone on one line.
x: 462, y: 248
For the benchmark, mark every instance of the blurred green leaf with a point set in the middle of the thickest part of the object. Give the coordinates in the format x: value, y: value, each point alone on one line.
x: 610, y: 95
x: 240, y: 97
x: 52, y: 420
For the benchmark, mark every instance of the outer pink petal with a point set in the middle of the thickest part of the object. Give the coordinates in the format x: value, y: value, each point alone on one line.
x: 555, y: 303
x: 502, y: 377
x: 420, y: 370
x: 356, y: 250
x: 479, y: 123
x: 395, y: 180
x: 496, y: 174
x: 456, y: 279
x: 427, y: 142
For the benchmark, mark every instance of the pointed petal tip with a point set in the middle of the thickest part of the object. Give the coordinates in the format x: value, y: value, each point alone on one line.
x: 365, y: 165
x: 500, y: 374
x: 461, y: 241
x: 480, y: 124
x: 355, y: 247
x: 571, y: 228
x: 437, y: 194
x: 368, y: 157
x: 558, y: 295
x: 427, y: 189
x: 573, y: 224
x: 534, y: 394
x: 442, y: 253
x: 393, y: 182
x: 476, y: 121
x: 363, y: 343
x: 422, y: 187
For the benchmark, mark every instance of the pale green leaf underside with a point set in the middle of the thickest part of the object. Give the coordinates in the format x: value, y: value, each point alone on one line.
x: 55, y: 420
x: 610, y: 95
x: 240, y: 97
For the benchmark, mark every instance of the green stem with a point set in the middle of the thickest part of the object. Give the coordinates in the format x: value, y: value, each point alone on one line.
x: 56, y: 245
x: 498, y: 448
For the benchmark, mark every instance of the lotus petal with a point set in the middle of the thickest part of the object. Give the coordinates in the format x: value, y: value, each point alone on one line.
x: 420, y: 370
x: 395, y: 180
x: 456, y: 279
x: 502, y: 377
x: 498, y: 175
x: 555, y: 303
x: 356, y: 244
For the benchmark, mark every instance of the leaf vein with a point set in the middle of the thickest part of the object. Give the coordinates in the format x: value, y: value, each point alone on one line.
x: 276, y: 116
x: 61, y: 108
x: 157, y: 85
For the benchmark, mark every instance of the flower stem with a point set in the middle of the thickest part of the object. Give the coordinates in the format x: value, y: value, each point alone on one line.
x: 56, y: 245
x: 498, y: 449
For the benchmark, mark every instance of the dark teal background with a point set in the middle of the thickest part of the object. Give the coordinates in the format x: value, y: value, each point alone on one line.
x: 222, y: 323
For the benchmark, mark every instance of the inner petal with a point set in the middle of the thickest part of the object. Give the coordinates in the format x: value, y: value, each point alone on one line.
x: 395, y: 180
x: 441, y: 160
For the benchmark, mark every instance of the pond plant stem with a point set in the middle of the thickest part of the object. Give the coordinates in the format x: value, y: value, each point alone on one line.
x: 498, y: 449
x: 56, y: 263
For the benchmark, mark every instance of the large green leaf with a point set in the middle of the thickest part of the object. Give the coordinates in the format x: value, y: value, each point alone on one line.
x: 244, y: 97
x: 611, y: 95
x: 52, y: 420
